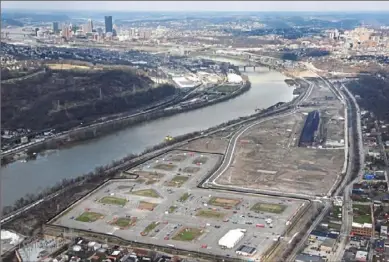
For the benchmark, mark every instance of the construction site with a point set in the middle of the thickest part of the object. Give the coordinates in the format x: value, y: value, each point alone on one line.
x: 300, y: 153
x: 163, y: 206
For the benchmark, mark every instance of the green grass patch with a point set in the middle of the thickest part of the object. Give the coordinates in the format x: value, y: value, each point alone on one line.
x: 184, y: 197
x: 166, y: 167
x: 172, y: 209
x: 178, y: 181
x: 270, y: 208
x: 208, y: 213
x: 110, y: 200
x: 201, y: 160
x: 124, y: 222
x: 334, y: 226
x: 362, y: 214
x: 89, y: 217
x: 146, y: 193
x: 188, y: 234
x: 226, y: 88
x: 223, y: 202
x: 150, y: 227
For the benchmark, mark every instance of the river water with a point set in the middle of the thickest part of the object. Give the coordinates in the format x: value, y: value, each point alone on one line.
x: 18, y: 179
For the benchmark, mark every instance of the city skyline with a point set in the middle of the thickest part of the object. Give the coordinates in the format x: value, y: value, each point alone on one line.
x: 316, y: 6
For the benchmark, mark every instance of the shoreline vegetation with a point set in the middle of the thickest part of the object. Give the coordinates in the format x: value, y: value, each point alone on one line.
x: 71, y: 190
x: 78, y: 136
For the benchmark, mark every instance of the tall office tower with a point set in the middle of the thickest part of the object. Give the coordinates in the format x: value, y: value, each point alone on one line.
x: 55, y: 27
x: 88, y: 28
x: 108, y: 24
x: 90, y: 25
x: 66, y: 31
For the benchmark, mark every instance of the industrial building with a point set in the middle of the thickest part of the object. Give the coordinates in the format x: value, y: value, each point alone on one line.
x: 311, y: 126
x: 244, y: 250
x: 231, y: 238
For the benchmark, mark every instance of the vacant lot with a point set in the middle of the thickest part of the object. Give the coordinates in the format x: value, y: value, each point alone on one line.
x: 146, y: 193
x: 224, y: 202
x: 191, y: 169
x: 110, y: 200
x: 166, y: 167
x: 143, y: 205
x: 210, y: 213
x: 271, y: 208
x: 68, y: 67
x: 267, y: 158
x: 188, y: 234
x: 177, y: 181
x: 89, y: 217
x: 362, y: 214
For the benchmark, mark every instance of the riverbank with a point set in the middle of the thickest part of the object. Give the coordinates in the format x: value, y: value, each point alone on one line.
x: 71, y: 191
x: 73, y: 137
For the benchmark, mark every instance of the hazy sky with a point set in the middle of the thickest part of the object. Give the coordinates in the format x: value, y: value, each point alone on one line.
x: 200, y: 5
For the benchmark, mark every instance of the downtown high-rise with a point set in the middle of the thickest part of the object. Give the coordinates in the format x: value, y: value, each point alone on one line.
x: 108, y: 24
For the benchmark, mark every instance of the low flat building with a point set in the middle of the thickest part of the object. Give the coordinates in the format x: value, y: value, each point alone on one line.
x: 365, y: 229
x: 308, y: 258
x: 361, y: 256
x: 244, y: 250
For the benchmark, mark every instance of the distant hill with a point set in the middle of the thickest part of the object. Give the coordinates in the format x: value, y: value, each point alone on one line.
x: 63, y: 99
x: 10, y: 22
x: 34, y: 17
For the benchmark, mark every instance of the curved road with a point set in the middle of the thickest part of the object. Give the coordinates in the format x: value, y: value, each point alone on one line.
x: 228, y: 157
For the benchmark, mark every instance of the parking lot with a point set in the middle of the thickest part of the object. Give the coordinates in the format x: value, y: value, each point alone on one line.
x: 165, y: 207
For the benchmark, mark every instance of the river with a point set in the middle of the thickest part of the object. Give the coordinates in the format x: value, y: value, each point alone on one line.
x: 18, y: 179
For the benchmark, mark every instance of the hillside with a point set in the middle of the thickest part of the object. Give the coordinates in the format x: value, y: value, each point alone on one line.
x: 62, y: 99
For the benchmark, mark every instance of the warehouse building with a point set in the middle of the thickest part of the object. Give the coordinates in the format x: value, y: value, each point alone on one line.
x: 244, y: 250
x: 310, y: 129
x: 231, y: 238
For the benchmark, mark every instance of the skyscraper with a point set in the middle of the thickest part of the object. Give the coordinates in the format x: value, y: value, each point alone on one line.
x: 88, y: 28
x: 108, y: 24
x: 55, y: 27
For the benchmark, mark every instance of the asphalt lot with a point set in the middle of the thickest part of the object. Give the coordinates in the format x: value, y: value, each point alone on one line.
x: 166, y: 195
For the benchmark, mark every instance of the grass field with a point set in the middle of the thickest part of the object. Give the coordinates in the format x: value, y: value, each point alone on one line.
x: 146, y: 193
x: 184, y: 197
x: 266, y: 207
x: 146, y: 206
x: 210, y: 213
x: 191, y: 169
x: 223, y: 202
x: 150, y: 227
x: 124, y: 222
x: 110, y: 200
x: 200, y: 160
x: 89, y: 217
x: 166, y: 167
x: 188, y: 234
x: 171, y: 209
x: 361, y: 214
x: 177, y: 181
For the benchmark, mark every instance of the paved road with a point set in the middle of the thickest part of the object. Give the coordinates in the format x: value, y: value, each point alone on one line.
x: 229, y: 154
x: 347, y: 217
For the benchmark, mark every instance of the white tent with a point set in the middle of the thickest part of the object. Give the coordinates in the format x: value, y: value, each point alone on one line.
x: 231, y: 238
